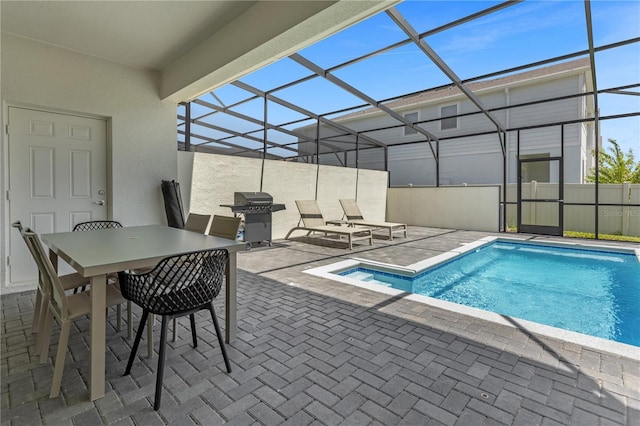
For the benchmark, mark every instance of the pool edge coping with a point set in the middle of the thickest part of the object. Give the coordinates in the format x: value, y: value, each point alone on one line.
x: 331, y: 271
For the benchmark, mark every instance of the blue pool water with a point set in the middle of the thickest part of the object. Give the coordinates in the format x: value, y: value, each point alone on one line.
x: 587, y: 291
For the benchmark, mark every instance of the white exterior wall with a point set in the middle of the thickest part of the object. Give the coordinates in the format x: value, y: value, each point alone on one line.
x: 567, y: 109
x: 412, y: 164
x: 367, y: 159
x: 140, y: 126
x: 478, y: 160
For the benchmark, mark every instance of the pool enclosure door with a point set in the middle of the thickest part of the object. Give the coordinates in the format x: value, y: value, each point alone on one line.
x: 540, y: 195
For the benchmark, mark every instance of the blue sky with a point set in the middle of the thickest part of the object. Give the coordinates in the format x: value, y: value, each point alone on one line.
x: 527, y: 32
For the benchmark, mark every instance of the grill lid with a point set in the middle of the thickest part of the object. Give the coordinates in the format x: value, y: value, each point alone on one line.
x: 252, y: 199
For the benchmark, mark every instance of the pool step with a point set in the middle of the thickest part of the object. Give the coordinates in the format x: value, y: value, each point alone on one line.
x: 361, y: 276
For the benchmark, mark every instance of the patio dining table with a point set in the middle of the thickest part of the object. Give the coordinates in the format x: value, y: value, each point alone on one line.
x: 94, y: 254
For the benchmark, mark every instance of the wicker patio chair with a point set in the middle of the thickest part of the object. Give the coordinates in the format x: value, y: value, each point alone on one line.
x: 178, y: 286
x: 195, y: 223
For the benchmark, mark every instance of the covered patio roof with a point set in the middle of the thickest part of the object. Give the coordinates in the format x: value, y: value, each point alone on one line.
x: 193, y: 45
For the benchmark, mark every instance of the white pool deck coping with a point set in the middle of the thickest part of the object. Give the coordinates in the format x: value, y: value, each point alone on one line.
x: 331, y: 272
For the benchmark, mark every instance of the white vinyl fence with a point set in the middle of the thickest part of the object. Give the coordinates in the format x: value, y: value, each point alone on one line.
x: 616, y: 220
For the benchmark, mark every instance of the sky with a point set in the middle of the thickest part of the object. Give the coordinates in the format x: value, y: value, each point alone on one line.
x: 530, y: 31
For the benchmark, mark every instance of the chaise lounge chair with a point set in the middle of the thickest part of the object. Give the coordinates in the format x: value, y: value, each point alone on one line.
x: 313, y: 221
x: 354, y: 217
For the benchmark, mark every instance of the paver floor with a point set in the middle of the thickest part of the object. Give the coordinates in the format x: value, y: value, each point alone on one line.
x: 314, y: 351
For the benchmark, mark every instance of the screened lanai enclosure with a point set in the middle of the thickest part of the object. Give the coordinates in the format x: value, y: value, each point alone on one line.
x: 523, y: 95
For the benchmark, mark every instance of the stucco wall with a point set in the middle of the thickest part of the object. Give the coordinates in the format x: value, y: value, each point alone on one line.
x: 214, y: 179
x: 373, y: 205
x: 470, y: 208
x: 142, y: 129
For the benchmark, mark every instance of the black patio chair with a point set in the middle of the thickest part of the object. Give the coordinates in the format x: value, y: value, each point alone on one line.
x: 178, y: 286
x: 96, y: 224
x: 93, y: 225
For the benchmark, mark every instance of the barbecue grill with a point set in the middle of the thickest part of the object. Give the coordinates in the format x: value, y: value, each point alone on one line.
x: 256, y: 207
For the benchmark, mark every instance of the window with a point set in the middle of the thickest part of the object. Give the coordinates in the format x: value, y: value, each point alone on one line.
x: 412, y: 117
x: 449, y: 111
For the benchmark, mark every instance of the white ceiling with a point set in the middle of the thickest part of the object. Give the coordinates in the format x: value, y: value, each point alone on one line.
x: 144, y: 34
x: 194, y: 45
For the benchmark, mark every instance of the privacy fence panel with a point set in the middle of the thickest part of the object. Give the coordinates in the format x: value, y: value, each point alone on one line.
x: 620, y: 219
x: 634, y: 212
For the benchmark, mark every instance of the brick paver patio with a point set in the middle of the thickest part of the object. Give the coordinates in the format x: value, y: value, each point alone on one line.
x: 314, y: 351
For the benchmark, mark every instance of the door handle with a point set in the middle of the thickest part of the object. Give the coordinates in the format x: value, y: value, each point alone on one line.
x: 99, y: 202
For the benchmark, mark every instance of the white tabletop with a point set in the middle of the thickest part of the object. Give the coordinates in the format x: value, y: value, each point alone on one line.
x: 112, y: 250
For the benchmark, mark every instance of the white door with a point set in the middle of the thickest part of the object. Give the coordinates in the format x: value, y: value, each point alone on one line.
x: 57, y: 178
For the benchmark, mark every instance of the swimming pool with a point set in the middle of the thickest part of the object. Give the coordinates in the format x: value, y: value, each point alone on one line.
x: 589, y: 290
